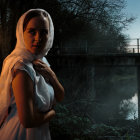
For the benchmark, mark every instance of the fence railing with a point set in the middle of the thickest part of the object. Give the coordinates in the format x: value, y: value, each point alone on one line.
x: 133, y: 46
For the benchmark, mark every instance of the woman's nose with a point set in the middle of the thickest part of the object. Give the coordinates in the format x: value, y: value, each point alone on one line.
x: 37, y: 36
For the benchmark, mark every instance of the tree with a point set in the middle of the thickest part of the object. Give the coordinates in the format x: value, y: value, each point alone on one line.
x: 100, y: 20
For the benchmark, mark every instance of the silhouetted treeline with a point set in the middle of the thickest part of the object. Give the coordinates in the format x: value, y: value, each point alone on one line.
x: 99, y: 22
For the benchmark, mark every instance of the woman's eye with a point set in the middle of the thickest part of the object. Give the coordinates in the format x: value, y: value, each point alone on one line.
x: 44, y: 32
x: 32, y: 32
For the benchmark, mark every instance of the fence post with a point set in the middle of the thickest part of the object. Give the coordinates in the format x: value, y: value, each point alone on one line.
x: 86, y: 47
x: 133, y: 50
x: 138, y: 44
x: 138, y: 85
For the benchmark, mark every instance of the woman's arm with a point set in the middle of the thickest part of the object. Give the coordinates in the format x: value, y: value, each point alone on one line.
x: 48, y: 74
x: 23, y: 91
x: 58, y: 89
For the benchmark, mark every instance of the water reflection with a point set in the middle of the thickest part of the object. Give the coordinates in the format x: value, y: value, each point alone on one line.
x: 130, y: 107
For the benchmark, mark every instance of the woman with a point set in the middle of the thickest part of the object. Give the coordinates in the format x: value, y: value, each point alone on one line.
x: 28, y: 86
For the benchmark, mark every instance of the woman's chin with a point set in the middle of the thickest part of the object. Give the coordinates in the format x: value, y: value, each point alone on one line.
x: 35, y: 50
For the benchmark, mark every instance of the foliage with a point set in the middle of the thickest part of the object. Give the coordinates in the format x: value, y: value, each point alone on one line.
x: 102, y: 12
x: 101, y: 24
x: 67, y: 125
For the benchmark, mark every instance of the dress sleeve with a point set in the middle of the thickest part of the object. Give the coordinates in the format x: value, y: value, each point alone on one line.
x: 45, y: 61
x: 22, y: 66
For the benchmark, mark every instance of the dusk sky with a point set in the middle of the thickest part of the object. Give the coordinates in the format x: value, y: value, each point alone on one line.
x: 133, y: 8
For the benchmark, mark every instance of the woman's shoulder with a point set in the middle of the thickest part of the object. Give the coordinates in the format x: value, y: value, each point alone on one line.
x: 23, y: 66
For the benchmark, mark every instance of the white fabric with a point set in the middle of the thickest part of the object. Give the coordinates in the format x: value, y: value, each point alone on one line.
x: 12, y: 128
x: 19, y: 54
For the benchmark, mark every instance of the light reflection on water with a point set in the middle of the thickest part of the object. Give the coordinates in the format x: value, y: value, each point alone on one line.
x: 132, y: 106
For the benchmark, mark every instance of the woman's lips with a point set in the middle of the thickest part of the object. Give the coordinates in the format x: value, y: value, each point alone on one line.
x: 36, y: 46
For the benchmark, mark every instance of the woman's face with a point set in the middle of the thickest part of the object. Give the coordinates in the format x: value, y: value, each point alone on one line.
x: 36, y: 34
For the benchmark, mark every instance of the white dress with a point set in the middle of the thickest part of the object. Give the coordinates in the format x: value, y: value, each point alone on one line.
x: 12, y: 129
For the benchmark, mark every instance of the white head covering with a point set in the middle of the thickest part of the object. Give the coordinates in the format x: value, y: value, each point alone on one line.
x: 19, y: 53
